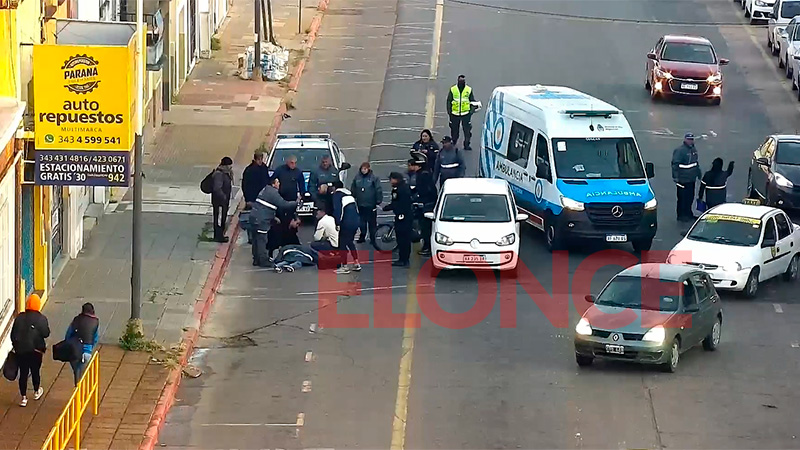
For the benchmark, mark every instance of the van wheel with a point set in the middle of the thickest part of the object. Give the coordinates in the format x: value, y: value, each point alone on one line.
x: 642, y: 245
x: 751, y: 286
x: 552, y: 237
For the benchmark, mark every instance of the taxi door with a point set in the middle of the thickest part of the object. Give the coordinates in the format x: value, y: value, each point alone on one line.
x: 769, y: 250
x: 785, y: 245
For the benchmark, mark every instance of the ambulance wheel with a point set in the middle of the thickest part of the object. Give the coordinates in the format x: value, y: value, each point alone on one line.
x: 552, y: 235
x: 642, y: 245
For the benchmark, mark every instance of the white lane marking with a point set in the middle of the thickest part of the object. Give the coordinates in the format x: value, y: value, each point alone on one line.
x: 795, y: 344
x: 309, y: 356
x: 389, y: 161
x: 306, y: 386
x: 301, y: 419
x: 378, y: 288
x: 430, y: 100
x: 312, y: 328
x: 778, y: 308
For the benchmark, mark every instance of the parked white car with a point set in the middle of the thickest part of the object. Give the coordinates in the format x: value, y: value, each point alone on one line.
x: 788, y: 44
x: 475, y: 225
x: 740, y: 246
x: 782, y: 12
x: 757, y: 9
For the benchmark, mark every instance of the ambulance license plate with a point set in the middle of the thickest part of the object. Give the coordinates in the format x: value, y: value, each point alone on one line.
x: 616, y: 238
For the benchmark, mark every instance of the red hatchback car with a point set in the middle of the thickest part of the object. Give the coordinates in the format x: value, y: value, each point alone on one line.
x: 684, y: 66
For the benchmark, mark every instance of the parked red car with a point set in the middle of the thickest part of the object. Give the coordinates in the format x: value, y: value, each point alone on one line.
x: 684, y: 66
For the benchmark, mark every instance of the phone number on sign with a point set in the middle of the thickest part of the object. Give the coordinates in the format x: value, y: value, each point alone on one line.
x: 99, y: 140
x: 84, y: 158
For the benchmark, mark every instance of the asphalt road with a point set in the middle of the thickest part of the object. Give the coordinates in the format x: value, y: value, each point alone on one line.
x: 274, y: 379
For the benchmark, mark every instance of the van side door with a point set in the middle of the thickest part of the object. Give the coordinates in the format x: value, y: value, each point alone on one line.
x: 542, y: 168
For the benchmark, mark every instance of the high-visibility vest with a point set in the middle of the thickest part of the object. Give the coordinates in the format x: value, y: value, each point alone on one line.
x: 460, y: 105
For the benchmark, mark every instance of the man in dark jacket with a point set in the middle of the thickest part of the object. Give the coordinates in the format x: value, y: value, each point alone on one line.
x: 283, y: 233
x: 401, y: 206
x: 366, y: 189
x: 424, y: 194
x: 715, y: 183
x: 324, y: 174
x: 449, y: 163
x: 84, y: 326
x: 254, y: 178
x: 222, y: 183
x: 345, y: 213
x: 324, y: 198
x: 685, y: 171
x: 293, y: 183
x: 28, y: 333
x: 268, y: 206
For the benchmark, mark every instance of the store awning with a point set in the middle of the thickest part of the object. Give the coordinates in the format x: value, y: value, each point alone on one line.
x: 11, y: 111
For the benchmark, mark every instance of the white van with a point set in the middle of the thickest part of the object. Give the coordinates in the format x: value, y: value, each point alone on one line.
x: 573, y: 165
x: 783, y: 11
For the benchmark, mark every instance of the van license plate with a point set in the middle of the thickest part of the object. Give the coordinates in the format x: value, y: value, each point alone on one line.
x: 472, y: 259
x: 616, y: 238
x: 615, y: 349
x: 689, y: 86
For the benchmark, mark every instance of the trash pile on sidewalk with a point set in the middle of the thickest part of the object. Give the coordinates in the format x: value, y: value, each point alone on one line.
x: 274, y: 62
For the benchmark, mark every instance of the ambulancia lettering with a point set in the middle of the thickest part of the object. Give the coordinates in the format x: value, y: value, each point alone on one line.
x: 613, y: 193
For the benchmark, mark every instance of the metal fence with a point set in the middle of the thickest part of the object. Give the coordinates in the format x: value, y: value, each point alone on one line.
x: 69, y: 423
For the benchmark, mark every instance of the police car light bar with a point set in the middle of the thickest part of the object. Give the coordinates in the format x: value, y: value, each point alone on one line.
x: 304, y: 136
x: 590, y: 113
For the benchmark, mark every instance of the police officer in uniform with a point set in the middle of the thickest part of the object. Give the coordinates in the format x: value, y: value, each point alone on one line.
x: 459, y: 108
x: 449, y: 163
x: 685, y: 171
x: 401, y: 206
x: 268, y: 206
x: 424, y: 194
x: 715, y: 183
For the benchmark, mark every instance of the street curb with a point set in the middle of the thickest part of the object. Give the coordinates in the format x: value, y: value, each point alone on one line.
x: 220, y: 264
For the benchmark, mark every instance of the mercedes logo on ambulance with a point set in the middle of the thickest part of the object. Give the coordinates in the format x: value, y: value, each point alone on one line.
x: 616, y: 211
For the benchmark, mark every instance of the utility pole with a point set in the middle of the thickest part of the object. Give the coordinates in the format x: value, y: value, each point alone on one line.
x: 257, y: 46
x: 299, y: 16
x: 269, y: 18
x: 138, y: 144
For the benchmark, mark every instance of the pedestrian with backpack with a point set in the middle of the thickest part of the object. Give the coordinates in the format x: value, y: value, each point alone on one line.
x: 28, y: 336
x: 85, y: 327
x: 219, y: 184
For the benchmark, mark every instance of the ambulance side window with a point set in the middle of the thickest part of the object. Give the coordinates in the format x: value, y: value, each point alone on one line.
x: 542, y: 156
x: 519, y: 144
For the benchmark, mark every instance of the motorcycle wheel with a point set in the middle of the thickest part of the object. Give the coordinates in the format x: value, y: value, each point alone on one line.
x: 385, y: 238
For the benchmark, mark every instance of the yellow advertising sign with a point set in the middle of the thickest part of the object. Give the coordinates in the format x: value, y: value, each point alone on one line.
x: 83, y: 97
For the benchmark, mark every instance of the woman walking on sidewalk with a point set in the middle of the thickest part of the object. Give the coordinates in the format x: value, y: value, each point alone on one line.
x: 27, y: 337
x: 85, y: 327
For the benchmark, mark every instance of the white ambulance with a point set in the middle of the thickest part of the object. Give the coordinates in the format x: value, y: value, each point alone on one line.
x: 573, y: 164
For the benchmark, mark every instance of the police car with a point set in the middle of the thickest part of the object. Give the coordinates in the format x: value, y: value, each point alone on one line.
x: 573, y: 165
x: 741, y: 245
x: 309, y: 149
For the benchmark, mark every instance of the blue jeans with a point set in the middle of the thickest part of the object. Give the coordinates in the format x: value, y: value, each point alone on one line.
x: 79, y: 365
x: 283, y: 264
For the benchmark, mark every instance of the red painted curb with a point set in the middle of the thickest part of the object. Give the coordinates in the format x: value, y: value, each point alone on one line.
x: 219, y: 266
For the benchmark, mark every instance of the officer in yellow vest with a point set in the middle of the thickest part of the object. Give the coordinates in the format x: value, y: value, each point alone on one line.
x: 460, y: 111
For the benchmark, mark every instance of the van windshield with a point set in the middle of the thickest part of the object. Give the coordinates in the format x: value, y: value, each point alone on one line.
x: 597, y: 158
x: 790, y: 9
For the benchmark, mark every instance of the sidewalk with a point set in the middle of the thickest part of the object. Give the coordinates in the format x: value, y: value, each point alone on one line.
x: 218, y: 115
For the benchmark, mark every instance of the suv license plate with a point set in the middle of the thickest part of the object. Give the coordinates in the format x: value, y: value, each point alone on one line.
x: 689, y: 86
x: 617, y: 238
x: 615, y: 349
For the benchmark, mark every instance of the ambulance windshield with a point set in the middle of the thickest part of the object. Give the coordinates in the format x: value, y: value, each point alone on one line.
x: 584, y: 158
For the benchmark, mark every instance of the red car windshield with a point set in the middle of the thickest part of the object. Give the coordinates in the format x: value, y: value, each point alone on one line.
x: 690, y: 53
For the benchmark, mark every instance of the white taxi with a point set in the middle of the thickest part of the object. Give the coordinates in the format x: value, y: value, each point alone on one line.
x: 740, y: 246
x: 475, y: 225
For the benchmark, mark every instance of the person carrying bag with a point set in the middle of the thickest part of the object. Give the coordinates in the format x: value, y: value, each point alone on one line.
x: 28, y: 336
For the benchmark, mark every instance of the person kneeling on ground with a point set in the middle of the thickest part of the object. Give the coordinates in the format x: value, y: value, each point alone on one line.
x: 292, y: 257
x: 326, y: 236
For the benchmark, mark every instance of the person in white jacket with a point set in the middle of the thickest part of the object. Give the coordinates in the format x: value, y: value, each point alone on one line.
x: 326, y: 236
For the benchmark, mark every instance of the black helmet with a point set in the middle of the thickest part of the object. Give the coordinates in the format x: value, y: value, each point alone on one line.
x: 418, y: 158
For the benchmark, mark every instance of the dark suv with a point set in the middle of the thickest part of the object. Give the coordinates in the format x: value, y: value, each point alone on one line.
x: 774, y: 175
x: 650, y: 314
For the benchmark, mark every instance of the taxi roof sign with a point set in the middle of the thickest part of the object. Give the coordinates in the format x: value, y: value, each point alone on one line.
x: 751, y: 201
